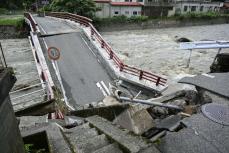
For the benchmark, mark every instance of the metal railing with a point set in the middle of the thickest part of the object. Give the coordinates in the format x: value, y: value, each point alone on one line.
x: 32, y: 21
x: 43, y: 74
x: 141, y: 74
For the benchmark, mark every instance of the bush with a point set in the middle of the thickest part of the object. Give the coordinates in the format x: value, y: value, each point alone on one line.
x: 3, y: 11
x: 17, y: 22
x: 119, y: 19
x: 191, y: 15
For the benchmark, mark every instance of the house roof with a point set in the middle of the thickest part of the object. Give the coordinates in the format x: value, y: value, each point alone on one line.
x: 126, y: 4
x: 102, y: 1
x: 226, y: 5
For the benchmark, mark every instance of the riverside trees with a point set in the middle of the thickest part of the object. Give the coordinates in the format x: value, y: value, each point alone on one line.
x: 81, y: 7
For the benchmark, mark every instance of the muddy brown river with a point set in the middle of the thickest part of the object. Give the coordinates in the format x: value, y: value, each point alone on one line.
x: 156, y: 50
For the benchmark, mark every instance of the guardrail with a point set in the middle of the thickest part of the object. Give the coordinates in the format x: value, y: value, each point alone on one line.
x: 32, y: 21
x: 141, y: 74
x: 43, y: 72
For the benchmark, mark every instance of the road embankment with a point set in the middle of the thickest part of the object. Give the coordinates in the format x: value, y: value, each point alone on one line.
x: 12, y: 27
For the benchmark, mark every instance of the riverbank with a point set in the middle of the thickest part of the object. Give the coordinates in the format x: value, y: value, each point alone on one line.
x: 109, y: 25
x: 12, y: 27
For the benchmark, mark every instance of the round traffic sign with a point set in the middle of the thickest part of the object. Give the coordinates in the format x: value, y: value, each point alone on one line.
x: 53, y: 53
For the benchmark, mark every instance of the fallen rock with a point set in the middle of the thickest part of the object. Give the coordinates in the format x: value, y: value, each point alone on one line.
x: 72, y: 121
x: 182, y: 39
x: 135, y: 119
x: 178, y: 102
x: 109, y: 101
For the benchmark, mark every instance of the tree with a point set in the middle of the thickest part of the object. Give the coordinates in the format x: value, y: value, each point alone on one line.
x: 28, y: 3
x: 11, y: 4
x: 81, y: 7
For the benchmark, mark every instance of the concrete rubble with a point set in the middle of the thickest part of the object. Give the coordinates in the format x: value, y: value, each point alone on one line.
x: 135, y: 119
x: 108, y: 125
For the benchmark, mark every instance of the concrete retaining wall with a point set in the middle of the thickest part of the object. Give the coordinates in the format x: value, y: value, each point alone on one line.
x: 11, y: 141
x: 10, y: 32
x: 7, y: 32
x: 155, y: 24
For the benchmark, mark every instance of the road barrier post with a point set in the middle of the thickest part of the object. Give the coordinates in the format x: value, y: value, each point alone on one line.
x: 121, y: 67
x: 92, y: 34
x: 141, y: 74
x: 111, y: 54
x: 158, y: 81
x: 102, y: 44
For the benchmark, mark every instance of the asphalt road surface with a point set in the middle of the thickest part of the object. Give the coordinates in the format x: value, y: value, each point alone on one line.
x: 80, y: 70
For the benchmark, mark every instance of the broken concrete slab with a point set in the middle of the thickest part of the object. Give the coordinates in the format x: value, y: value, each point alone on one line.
x: 127, y: 141
x: 185, y: 141
x: 108, y: 112
x: 169, y: 96
x: 109, y: 101
x: 210, y: 131
x: 56, y: 140
x: 112, y: 148
x: 39, y: 109
x: 71, y: 121
x: 135, y: 119
x: 27, y: 121
x: 170, y: 123
x: 214, y: 82
x: 200, y: 135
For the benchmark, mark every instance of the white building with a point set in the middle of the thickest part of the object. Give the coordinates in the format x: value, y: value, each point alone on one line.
x: 104, y: 6
x: 198, y: 6
x: 110, y: 8
x: 126, y: 8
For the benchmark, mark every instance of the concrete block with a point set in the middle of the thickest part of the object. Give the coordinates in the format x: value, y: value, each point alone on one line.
x: 75, y: 138
x: 57, y: 143
x: 93, y: 144
x: 109, y: 101
x: 129, y: 142
x: 135, y: 119
x: 112, y: 148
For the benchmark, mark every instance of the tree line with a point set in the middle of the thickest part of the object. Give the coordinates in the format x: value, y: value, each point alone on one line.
x: 81, y: 7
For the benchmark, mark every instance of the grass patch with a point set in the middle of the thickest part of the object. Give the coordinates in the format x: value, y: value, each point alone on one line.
x: 17, y: 22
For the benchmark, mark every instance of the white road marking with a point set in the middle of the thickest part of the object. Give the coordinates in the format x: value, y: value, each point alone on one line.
x: 105, y: 87
x: 88, y: 45
x: 101, y: 88
x: 42, y: 29
x: 46, y: 46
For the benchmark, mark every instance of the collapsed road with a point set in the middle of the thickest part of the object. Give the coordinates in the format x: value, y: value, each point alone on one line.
x: 81, y: 72
x: 88, y: 66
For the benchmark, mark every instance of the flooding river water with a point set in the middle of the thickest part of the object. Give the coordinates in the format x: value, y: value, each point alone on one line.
x: 156, y: 50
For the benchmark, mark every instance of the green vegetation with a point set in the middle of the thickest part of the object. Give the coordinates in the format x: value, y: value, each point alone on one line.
x: 3, y: 11
x: 11, y: 4
x: 120, y: 19
x: 29, y: 148
x: 17, y: 22
x: 139, y: 19
x: 208, y: 15
x: 81, y: 7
